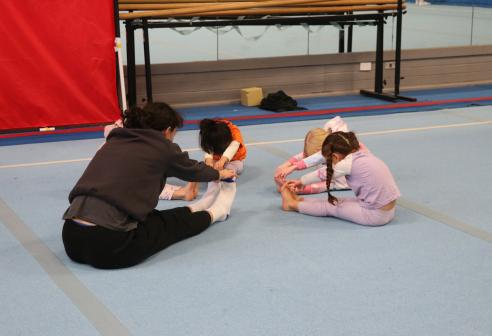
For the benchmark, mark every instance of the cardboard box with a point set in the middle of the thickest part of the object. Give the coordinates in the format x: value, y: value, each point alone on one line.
x: 251, y: 96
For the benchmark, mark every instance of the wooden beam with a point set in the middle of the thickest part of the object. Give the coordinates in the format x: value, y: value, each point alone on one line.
x: 147, y: 6
x: 273, y: 11
x: 182, y: 1
x: 211, y: 8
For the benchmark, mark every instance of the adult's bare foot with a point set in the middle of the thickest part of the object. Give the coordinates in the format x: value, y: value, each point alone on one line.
x: 196, y: 188
x: 190, y: 190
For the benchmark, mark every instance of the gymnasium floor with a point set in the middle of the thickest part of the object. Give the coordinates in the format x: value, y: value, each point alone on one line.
x: 265, y: 271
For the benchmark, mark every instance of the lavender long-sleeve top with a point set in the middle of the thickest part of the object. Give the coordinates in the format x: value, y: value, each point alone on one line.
x: 368, y: 177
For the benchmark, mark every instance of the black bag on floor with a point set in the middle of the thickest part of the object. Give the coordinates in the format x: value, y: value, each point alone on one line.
x: 279, y: 102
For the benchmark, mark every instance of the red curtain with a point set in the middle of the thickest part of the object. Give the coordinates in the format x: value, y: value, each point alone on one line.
x: 57, y: 63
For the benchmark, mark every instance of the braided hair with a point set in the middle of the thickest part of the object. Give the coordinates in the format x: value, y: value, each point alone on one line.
x: 156, y: 116
x: 338, y: 142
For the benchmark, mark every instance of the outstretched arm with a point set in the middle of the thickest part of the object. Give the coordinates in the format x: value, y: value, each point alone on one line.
x: 184, y: 168
x: 228, y: 154
x: 315, y: 176
x: 342, y: 168
x: 311, y: 161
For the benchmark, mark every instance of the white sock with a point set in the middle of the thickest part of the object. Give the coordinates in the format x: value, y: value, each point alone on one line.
x: 221, y: 208
x: 207, y: 199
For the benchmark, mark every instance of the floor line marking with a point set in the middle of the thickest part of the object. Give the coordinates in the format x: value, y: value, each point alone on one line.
x: 261, y: 143
x: 43, y: 163
x: 96, y: 312
x: 445, y: 219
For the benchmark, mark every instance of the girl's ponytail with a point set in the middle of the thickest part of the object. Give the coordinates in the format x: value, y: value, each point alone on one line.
x: 131, y: 117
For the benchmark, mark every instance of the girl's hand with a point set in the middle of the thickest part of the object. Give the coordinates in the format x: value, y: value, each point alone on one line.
x: 282, y: 169
x: 286, y: 171
x: 209, y: 162
x: 219, y: 165
x: 294, y: 185
x: 279, y: 180
x: 226, y: 174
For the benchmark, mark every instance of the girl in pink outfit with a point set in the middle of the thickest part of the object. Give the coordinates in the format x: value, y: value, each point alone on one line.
x: 372, y: 182
x: 311, y: 157
x: 170, y: 191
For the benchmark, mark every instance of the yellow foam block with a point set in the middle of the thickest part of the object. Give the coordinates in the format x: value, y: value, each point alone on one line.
x: 251, y: 96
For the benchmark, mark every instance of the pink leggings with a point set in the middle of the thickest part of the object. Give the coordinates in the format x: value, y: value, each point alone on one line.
x: 346, y: 208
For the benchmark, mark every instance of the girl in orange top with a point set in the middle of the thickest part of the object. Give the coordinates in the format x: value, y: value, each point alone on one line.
x: 223, y: 145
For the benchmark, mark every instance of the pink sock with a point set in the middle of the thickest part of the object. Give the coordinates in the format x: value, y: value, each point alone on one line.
x: 314, y: 188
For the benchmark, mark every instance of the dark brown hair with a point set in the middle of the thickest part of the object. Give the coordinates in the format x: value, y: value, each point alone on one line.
x: 157, y: 116
x: 338, y: 142
x: 215, y: 136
